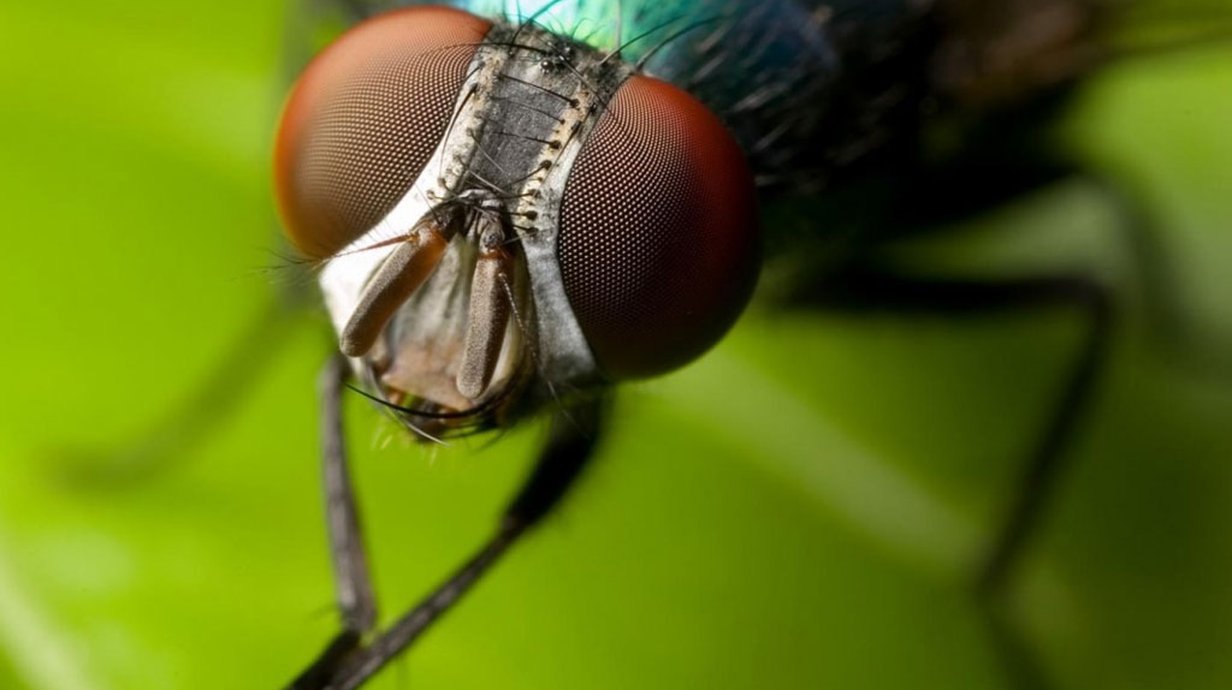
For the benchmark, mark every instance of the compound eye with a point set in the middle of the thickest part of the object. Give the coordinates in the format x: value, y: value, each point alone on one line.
x: 365, y: 118
x: 658, y: 247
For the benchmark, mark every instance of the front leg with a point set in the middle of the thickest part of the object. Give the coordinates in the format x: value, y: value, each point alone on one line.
x: 345, y: 664
x: 352, y: 583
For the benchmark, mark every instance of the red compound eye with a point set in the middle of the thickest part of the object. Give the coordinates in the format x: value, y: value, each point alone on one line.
x: 364, y: 119
x: 658, y: 246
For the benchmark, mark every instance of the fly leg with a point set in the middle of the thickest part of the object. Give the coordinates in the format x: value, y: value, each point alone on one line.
x: 1169, y: 329
x: 345, y: 664
x: 352, y: 584
x: 1039, y: 477
x: 870, y: 289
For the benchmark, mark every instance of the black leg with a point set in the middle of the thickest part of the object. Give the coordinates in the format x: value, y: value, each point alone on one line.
x: 869, y: 289
x: 353, y: 587
x: 1168, y: 327
x: 574, y: 434
x: 352, y: 584
x: 1039, y: 479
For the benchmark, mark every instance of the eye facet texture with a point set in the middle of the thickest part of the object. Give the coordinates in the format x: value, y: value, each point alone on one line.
x: 658, y: 246
x: 364, y: 119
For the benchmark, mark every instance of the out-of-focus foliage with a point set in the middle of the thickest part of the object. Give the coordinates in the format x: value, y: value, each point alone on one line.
x: 799, y: 509
x: 1143, y: 25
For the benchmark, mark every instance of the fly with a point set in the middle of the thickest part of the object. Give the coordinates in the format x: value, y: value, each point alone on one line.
x: 508, y: 220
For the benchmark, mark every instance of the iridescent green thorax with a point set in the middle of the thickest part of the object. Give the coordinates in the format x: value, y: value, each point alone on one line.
x: 636, y: 26
x: 762, y: 66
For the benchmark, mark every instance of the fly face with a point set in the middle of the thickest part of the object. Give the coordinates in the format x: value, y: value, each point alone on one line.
x: 504, y: 217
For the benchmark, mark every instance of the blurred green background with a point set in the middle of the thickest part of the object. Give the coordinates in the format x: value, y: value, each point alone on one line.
x: 799, y: 509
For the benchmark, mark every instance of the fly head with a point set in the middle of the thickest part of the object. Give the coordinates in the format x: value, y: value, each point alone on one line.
x: 504, y: 218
